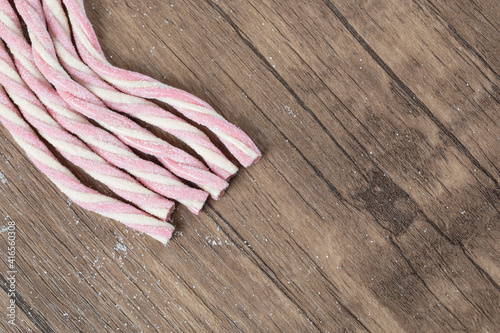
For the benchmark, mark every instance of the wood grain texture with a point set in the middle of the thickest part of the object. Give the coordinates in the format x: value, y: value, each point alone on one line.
x: 374, y: 208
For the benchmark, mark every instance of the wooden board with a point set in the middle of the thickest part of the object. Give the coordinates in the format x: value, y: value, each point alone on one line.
x: 374, y: 208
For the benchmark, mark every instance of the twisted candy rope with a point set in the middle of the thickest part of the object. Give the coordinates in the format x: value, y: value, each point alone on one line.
x: 87, y: 198
x: 140, y: 108
x: 179, y: 162
x: 106, y: 145
x: 238, y: 143
x: 75, y: 150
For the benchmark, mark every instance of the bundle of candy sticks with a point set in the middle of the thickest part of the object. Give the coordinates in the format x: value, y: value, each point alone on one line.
x: 59, y: 79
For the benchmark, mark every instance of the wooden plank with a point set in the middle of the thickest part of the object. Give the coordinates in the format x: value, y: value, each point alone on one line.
x: 414, y: 151
x: 474, y: 25
x: 374, y: 208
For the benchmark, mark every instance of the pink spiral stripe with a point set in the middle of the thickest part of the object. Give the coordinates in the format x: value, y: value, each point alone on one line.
x: 106, y: 145
x: 75, y: 150
x: 238, y: 143
x: 89, y: 199
x: 140, y: 108
x: 83, y: 101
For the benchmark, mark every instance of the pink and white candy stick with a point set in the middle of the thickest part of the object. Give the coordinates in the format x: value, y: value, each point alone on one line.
x: 238, y: 143
x: 85, y: 197
x: 75, y: 150
x: 104, y: 144
x: 140, y: 108
x: 82, y: 100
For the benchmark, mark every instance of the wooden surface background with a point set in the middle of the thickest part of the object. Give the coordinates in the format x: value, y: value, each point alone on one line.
x: 374, y: 208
